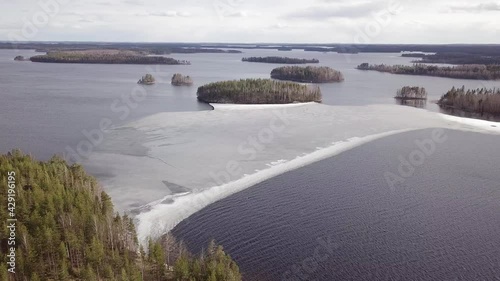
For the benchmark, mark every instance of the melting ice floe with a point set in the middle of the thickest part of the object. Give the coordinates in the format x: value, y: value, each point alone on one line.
x: 210, y: 155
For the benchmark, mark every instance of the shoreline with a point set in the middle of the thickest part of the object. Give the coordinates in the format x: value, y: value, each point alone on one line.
x: 171, y: 150
x: 146, y: 220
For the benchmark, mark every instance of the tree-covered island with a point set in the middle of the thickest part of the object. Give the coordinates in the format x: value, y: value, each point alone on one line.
x: 480, y: 72
x: 258, y: 91
x: 280, y: 60
x: 67, y: 229
x: 147, y: 79
x: 411, y: 93
x: 308, y: 74
x: 104, y: 57
x: 181, y: 80
x: 481, y: 101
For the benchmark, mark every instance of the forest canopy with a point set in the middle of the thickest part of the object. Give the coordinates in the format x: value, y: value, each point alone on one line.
x: 411, y: 93
x: 104, y: 57
x: 258, y: 91
x: 482, y: 101
x: 308, y: 74
x: 181, y: 80
x: 482, y: 72
x: 280, y: 60
x: 67, y: 229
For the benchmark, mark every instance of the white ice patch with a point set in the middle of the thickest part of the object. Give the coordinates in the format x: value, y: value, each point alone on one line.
x: 171, y: 165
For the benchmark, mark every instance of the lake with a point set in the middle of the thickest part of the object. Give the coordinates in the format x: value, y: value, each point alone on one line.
x: 440, y: 224
x: 45, y: 107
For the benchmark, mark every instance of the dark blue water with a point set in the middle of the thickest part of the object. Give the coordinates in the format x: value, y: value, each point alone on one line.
x: 339, y: 220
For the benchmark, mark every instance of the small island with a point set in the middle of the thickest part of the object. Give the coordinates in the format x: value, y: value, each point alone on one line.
x: 280, y: 60
x: 479, y: 72
x: 147, y: 79
x: 20, y: 58
x: 484, y: 102
x: 411, y: 93
x: 309, y: 74
x: 181, y: 80
x: 104, y: 57
x: 258, y: 91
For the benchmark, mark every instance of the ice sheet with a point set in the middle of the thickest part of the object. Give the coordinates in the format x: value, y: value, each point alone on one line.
x: 167, y: 166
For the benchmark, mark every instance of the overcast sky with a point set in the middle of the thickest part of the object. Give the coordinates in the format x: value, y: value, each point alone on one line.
x: 309, y: 21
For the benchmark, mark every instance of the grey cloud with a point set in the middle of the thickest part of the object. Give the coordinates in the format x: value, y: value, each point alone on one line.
x: 170, y: 14
x: 477, y: 8
x: 355, y: 10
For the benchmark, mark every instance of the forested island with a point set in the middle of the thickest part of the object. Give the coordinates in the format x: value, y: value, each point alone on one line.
x: 480, y: 72
x: 481, y: 101
x: 411, y: 93
x: 67, y: 229
x: 308, y: 74
x: 181, y: 80
x: 104, y: 57
x: 147, y: 79
x: 458, y: 58
x: 280, y: 60
x: 258, y: 91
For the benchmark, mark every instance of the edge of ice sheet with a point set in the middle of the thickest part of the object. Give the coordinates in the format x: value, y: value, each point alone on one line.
x: 230, y: 106
x: 490, y: 126
x: 164, y: 217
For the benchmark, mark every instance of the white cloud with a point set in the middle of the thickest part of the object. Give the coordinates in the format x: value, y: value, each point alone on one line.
x: 328, y: 21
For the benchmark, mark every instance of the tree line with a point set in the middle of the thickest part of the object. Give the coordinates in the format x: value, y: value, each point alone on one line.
x: 409, y: 93
x: 67, y: 230
x: 482, y: 101
x: 147, y: 79
x: 482, y: 72
x: 104, y: 58
x: 258, y: 91
x: 308, y: 74
x: 280, y: 60
x: 181, y: 80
